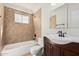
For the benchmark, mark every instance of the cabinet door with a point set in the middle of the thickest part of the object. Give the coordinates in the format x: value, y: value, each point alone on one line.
x: 55, y: 51
x: 47, y: 49
x: 61, y: 16
x: 73, y: 15
x: 68, y: 53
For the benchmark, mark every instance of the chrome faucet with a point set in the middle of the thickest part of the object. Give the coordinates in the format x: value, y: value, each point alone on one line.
x: 61, y: 34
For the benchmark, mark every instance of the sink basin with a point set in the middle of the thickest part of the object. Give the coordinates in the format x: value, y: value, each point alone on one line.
x: 63, y: 41
x: 59, y: 40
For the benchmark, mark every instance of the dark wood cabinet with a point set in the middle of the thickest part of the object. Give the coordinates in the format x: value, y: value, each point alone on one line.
x: 55, y: 51
x: 68, y: 53
x: 52, y: 49
x: 49, y: 49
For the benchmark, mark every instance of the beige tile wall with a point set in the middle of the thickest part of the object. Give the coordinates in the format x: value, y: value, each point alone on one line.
x: 37, y: 23
x: 1, y: 25
x: 16, y: 32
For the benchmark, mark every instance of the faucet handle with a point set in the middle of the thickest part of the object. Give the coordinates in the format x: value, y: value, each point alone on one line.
x: 65, y: 32
x: 59, y: 32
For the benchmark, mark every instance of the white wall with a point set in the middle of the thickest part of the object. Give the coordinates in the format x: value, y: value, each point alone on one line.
x: 46, y: 13
x: 45, y: 18
x: 73, y: 26
x: 73, y: 19
x: 61, y: 15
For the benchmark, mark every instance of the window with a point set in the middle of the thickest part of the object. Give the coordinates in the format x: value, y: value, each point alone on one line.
x: 21, y: 19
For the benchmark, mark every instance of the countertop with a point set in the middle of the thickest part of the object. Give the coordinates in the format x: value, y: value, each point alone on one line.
x: 54, y: 37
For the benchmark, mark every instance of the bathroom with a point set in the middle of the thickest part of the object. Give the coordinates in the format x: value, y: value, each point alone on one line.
x: 39, y: 29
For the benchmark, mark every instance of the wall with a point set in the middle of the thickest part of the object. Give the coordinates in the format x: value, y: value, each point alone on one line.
x: 37, y: 23
x: 72, y: 27
x: 1, y: 25
x: 46, y: 8
x: 16, y: 32
x: 73, y: 19
x: 46, y: 13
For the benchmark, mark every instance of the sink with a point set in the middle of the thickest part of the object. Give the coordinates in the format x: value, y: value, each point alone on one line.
x: 63, y: 41
x: 59, y: 40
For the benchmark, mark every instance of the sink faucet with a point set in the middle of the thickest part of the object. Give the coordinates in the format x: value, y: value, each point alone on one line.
x: 61, y: 34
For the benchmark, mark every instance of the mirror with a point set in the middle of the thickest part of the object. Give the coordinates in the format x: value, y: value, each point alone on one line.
x: 59, y: 17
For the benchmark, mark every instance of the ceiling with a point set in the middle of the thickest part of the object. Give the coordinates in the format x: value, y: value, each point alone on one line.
x: 32, y: 7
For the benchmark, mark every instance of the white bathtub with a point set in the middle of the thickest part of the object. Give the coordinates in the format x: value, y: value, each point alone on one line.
x: 17, y: 49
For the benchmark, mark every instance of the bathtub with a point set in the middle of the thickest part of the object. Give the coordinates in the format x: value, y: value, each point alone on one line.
x: 18, y: 49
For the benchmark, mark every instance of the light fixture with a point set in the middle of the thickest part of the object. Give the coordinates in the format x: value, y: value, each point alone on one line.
x: 59, y: 4
x: 53, y: 4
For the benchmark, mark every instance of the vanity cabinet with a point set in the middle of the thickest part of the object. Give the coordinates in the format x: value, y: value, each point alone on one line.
x: 65, y: 52
x: 47, y: 49
x: 50, y: 49
x: 53, y: 49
